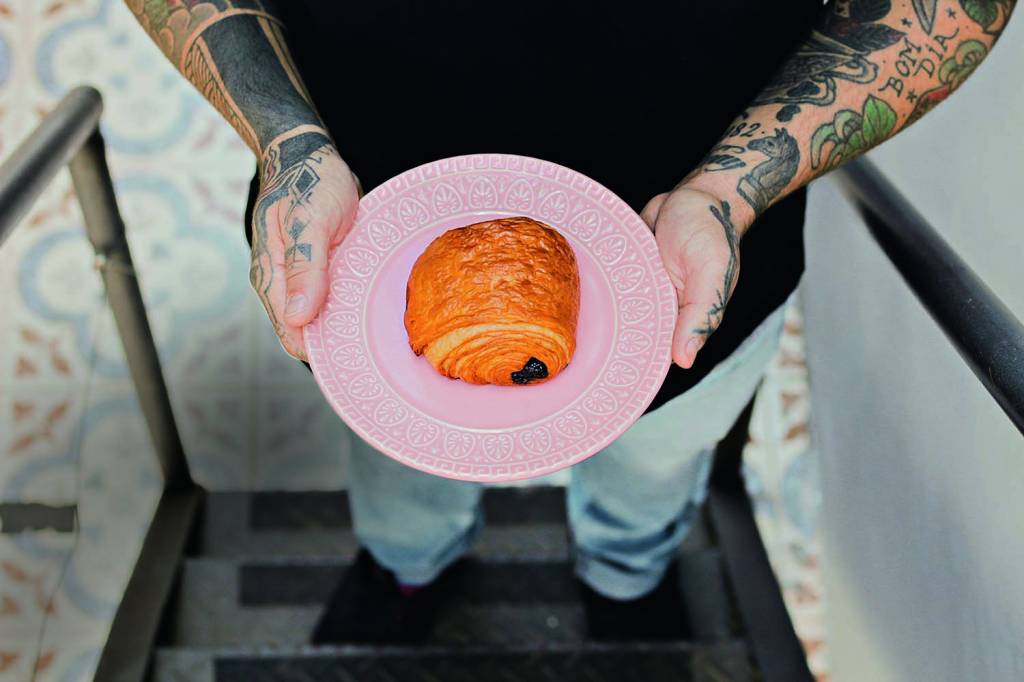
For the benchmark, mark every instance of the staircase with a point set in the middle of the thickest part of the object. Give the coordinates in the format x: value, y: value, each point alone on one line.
x: 264, y: 563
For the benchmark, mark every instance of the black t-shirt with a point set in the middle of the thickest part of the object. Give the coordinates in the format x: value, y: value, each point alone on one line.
x: 632, y: 93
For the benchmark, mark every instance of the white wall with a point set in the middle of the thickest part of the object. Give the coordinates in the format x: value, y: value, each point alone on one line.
x: 923, y: 476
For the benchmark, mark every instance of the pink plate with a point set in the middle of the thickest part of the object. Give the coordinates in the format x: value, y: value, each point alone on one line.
x: 400, y: 405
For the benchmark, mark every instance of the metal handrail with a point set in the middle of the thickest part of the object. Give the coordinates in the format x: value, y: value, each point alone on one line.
x: 987, y: 335
x: 70, y: 135
x: 32, y: 165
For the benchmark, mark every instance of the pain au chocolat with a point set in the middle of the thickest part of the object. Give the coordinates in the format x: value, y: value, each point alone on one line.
x: 495, y: 302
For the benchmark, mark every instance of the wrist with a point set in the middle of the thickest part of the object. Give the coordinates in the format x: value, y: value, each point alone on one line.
x: 724, y: 191
x: 292, y: 146
x: 750, y: 176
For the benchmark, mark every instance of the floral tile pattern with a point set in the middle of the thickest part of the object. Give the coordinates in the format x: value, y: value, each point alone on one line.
x: 70, y: 428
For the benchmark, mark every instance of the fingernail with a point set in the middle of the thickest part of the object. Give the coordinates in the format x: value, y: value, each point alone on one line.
x: 693, y: 346
x: 296, y: 305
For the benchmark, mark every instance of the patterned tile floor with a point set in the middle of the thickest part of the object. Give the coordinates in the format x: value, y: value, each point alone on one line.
x: 70, y: 428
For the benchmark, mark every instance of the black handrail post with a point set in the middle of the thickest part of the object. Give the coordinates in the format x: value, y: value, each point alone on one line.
x: 70, y: 135
x: 95, y: 190
x: 776, y: 647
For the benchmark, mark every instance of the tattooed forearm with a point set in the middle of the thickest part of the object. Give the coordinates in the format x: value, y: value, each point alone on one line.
x: 840, y: 48
x: 235, y: 53
x: 724, y: 157
x: 869, y: 69
x: 723, y: 215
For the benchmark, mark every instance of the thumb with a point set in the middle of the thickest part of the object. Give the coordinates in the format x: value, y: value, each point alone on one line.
x: 701, y: 309
x: 307, y: 244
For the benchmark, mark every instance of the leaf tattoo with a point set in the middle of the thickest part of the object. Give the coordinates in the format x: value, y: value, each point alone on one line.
x: 952, y: 74
x: 985, y: 13
x: 851, y: 133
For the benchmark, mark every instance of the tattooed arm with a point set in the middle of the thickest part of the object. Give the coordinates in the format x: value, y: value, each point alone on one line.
x: 235, y: 52
x: 869, y: 69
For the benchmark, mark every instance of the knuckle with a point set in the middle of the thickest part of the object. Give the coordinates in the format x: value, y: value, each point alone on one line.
x: 298, y: 271
x: 305, y: 270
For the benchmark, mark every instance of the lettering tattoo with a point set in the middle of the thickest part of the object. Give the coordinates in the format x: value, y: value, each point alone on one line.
x: 913, y: 59
x: 902, y: 75
x: 760, y: 187
x: 951, y: 75
x: 714, y: 314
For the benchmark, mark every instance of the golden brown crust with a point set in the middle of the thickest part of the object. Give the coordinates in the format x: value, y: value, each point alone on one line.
x: 484, y: 299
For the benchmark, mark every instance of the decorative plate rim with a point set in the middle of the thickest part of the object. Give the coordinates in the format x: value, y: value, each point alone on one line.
x: 378, y: 414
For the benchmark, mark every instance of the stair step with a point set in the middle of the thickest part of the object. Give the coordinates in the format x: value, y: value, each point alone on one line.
x: 299, y: 510
x: 590, y: 662
x: 510, y: 625
x: 208, y: 611
x: 540, y: 543
x: 710, y: 609
x: 527, y: 522
x: 225, y: 602
x: 281, y: 583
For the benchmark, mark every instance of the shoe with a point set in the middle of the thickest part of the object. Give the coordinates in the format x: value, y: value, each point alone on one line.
x: 658, y: 615
x: 368, y: 606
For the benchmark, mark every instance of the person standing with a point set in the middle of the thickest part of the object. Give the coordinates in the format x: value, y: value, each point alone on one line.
x: 708, y: 118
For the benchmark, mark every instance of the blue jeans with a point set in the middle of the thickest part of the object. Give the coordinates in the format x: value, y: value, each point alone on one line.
x: 629, y: 506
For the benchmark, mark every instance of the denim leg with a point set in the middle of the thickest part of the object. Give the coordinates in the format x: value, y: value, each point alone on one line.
x: 631, y: 504
x: 414, y: 524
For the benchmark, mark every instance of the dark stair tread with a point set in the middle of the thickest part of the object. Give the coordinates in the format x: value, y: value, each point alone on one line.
x: 268, y: 560
x: 647, y: 662
x: 284, y: 510
x: 480, y: 582
x: 228, y: 602
x: 706, y: 596
x: 527, y: 522
x: 510, y: 625
x: 544, y: 542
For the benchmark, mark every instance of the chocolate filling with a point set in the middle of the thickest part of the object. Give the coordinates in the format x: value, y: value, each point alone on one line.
x: 533, y: 369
